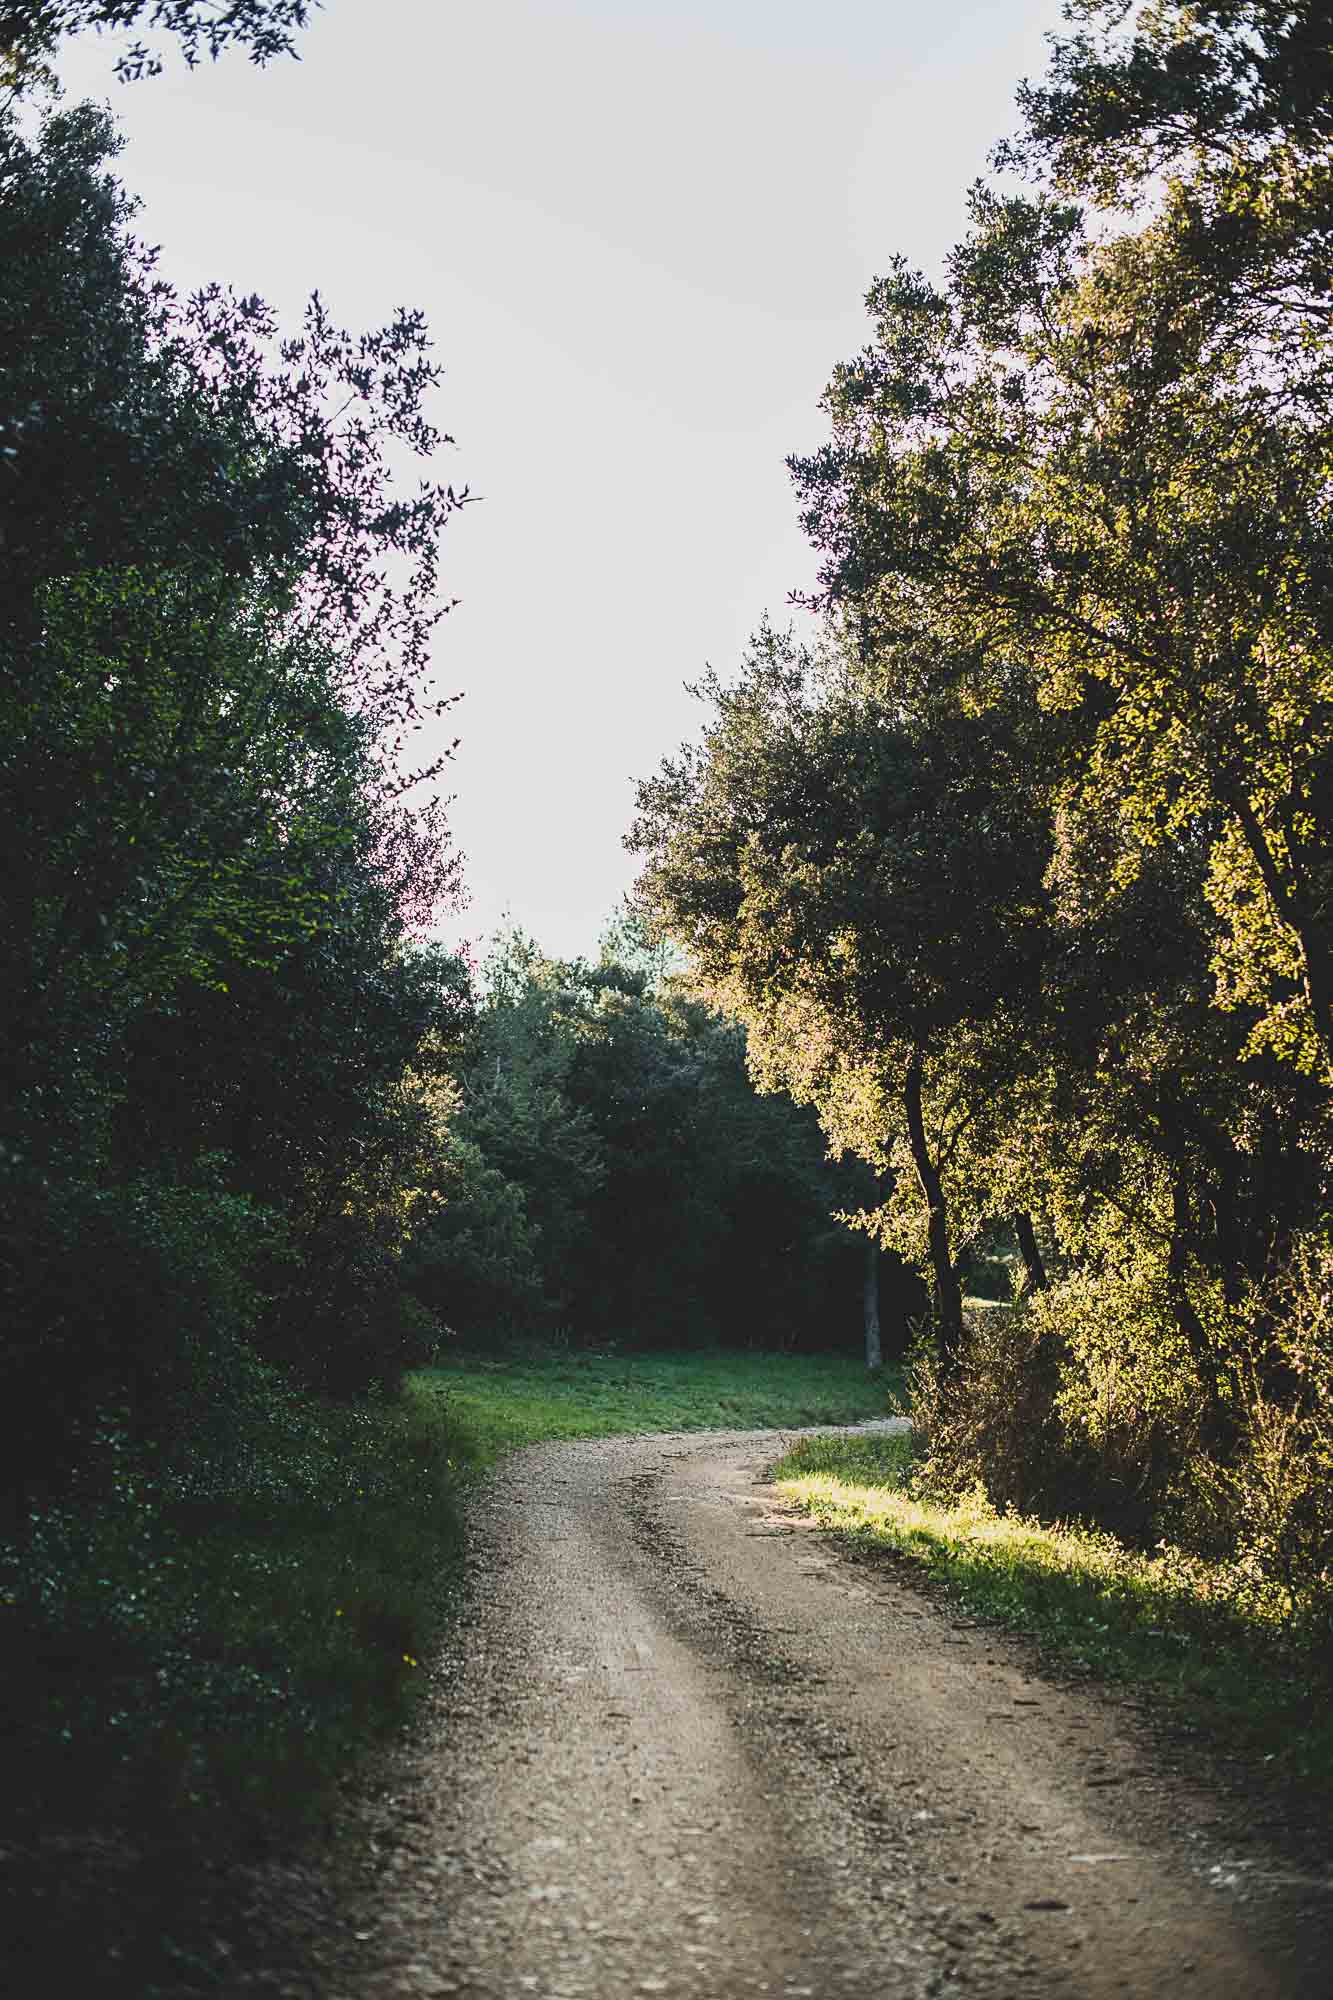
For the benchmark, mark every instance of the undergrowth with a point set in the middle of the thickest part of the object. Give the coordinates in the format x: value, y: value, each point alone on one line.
x: 211, y: 1641
x: 1175, y: 1626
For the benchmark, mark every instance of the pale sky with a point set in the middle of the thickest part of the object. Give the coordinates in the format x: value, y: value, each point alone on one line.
x: 641, y: 233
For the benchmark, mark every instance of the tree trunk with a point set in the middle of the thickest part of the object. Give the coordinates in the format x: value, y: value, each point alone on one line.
x: 1028, y: 1249
x: 1316, y: 960
x: 870, y: 1296
x: 1187, y: 1319
x: 948, y: 1296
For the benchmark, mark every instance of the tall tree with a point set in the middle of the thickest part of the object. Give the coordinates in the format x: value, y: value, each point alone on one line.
x: 864, y: 890
x: 214, y: 642
x: 1102, y: 454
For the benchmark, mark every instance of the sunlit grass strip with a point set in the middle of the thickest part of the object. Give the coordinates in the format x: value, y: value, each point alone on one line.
x: 1171, y: 1624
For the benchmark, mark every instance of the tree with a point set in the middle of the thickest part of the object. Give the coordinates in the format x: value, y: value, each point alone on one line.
x: 30, y: 31
x: 214, y: 642
x: 863, y: 888
x: 1103, y: 456
x: 612, y: 1170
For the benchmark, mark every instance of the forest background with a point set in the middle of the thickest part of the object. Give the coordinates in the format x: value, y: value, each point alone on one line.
x: 1004, y: 874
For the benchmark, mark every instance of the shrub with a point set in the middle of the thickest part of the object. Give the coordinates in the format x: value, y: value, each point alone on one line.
x: 1269, y: 1501
x: 1131, y: 1405
x: 1081, y: 1401
x: 993, y: 1421
x: 129, y: 1296
x: 1086, y: 1402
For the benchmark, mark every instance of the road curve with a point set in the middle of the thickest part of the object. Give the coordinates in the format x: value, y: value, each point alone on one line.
x: 683, y: 1747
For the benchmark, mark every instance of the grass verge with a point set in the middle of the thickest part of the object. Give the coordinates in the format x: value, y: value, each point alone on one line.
x: 1169, y: 1625
x: 221, y: 1636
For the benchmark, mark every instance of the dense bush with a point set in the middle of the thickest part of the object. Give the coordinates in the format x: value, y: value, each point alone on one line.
x: 221, y: 1624
x: 1266, y: 1504
x: 1084, y: 1403
x: 121, y: 1296
x: 992, y: 1419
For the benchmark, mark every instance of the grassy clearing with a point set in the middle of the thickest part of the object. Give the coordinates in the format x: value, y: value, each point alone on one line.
x: 490, y: 1405
x: 1172, y: 1626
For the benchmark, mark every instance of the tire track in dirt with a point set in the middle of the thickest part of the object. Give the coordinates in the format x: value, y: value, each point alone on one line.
x: 685, y: 1748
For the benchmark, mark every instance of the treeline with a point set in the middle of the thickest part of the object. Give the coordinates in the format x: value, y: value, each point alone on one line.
x: 214, y: 637
x: 1020, y: 869
x: 608, y: 1171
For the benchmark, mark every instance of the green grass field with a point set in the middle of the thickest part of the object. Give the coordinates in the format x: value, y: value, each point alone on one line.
x: 491, y: 1405
x: 1161, y: 1622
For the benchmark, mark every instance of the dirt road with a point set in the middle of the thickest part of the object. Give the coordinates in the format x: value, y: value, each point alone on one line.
x: 686, y: 1748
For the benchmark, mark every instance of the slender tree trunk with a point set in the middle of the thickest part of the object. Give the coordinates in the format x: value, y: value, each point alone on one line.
x: 1187, y: 1319
x: 1030, y: 1252
x: 1316, y: 959
x: 870, y: 1297
x: 948, y: 1296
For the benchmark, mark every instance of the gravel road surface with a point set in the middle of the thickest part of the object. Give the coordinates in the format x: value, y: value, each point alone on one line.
x: 685, y: 1747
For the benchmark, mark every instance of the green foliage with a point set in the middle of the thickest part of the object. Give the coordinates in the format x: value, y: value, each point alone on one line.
x: 1100, y: 453
x: 215, y: 1623
x: 607, y: 1164
x: 30, y: 30
x: 1270, y: 1500
x: 1086, y: 1402
x: 473, y: 1257
x: 992, y: 1420
x: 1022, y: 874
x: 860, y: 882
x: 124, y: 1294
x: 212, y: 996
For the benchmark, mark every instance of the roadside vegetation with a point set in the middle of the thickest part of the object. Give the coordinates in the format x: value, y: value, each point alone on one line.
x: 1196, y: 1639
x: 209, y: 1646
x: 1015, y: 855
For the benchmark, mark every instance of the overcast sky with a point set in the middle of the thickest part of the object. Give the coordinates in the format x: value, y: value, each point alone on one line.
x: 641, y: 233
